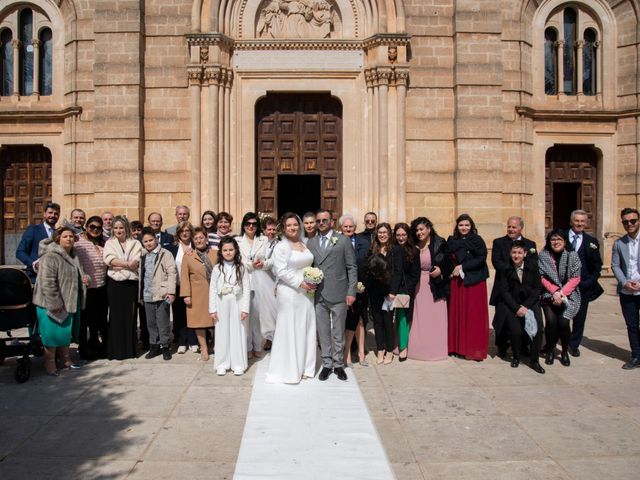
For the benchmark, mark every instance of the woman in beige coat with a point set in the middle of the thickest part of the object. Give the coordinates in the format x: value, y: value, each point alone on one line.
x: 194, y: 288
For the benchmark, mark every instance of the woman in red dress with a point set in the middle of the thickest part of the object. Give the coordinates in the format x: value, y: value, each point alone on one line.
x: 468, y: 307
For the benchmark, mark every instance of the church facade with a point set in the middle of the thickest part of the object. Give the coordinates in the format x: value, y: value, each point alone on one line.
x: 403, y: 107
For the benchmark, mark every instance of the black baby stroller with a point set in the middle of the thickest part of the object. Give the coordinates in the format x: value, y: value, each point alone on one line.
x: 17, y: 312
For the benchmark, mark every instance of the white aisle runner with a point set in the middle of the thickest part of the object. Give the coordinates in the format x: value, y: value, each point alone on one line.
x: 314, y: 430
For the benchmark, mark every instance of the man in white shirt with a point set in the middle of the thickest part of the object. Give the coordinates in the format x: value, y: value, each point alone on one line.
x: 626, y: 268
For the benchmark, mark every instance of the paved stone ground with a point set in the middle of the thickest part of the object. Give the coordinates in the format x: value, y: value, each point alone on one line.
x: 453, y: 419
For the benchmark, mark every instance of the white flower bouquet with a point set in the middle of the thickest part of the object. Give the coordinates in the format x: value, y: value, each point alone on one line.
x: 313, y: 276
x: 360, y: 287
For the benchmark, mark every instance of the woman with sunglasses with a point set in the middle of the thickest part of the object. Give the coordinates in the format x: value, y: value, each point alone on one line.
x: 253, y: 248
x: 93, y: 321
x: 182, y: 246
x: 560, y: 271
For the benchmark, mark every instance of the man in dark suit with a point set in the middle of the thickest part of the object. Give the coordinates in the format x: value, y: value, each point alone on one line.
x: 588, y: 250
x: 370, y: 222
x: 27, y: 251
x: 501, y: 259
x: 356, y: 315
x: 519, y: 287
x: 155, y: 222
x: 625, y: 263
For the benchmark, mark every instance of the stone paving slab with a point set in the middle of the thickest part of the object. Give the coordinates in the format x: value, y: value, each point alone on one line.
x: 453, y: 419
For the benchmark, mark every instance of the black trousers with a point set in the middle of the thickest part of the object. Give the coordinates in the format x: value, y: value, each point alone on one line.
x: 579, y: 320
x: 382, y: 324
x: 556, y: 326
x: 94, y: 326
x: 518, y: 336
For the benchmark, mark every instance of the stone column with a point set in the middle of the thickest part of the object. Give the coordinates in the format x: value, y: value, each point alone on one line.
x: 118, y: 125
x: 211, y: 148
x: 16, y: 66
x: 195, y: 80
x: 383, y: 141
x: 227, y: 140
x: 371, y: 139
x: 36, y: 66
x: 560, y: 45
x: 401, y: 87
x: 375, y: 155
x: 579, y: 65
x: 221, y: 170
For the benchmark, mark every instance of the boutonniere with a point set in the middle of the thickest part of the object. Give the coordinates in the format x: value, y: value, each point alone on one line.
x: 593, y: 246
x: 532, y: 250
x: 334, y: 239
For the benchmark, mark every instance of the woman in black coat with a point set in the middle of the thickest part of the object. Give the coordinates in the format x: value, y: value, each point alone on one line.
x: 518, y: 288
x: 404, y: 282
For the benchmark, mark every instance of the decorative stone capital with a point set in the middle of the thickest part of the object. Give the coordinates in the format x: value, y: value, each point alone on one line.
x: 580, y: 43
x: 401, y: 77
x: 560, y: 44
x: 15, y: 43
x: 212, y: 75
x: 36, y: 43
x: 383, y: 76
x: 195, y: 75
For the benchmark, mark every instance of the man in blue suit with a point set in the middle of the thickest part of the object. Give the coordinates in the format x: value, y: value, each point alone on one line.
x: 27, y: 251
x: 588, y: 250
x: 625, y: 263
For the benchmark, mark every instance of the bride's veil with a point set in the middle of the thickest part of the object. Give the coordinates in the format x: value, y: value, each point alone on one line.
x: 283, y: 219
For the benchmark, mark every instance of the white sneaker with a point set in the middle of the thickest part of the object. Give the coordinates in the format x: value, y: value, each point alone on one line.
x: 221, y: 372
x: 238, y: 372
x: 194, y: 348
x: 182, y: 349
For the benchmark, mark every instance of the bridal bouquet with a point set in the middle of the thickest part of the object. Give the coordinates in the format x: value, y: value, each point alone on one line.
x: 314, y: 276
x: 360, y: 287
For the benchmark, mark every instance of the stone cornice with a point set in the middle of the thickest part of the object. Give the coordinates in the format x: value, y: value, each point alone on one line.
x: 577, y: 115
x: 260, y: 44
x: 219, y: 39
x: 209, y: 39
x: 39, y: 115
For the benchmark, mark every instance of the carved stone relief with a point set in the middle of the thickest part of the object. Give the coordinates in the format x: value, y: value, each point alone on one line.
x: 293, y: 19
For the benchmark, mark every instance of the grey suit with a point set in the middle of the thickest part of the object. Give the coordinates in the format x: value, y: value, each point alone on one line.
x: 630, y: 304
x: 338, y: 263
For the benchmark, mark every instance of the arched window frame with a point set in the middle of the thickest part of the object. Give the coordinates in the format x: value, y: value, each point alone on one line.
x: 11, y: 20
x: 569, y: 52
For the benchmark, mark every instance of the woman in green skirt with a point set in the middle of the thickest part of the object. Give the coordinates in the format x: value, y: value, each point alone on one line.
x: 59, y: 295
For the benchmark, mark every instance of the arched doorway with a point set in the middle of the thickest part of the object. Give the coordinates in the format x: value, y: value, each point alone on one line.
x: 570, y: 184
x: 298, y: 153
x: 25, y: 173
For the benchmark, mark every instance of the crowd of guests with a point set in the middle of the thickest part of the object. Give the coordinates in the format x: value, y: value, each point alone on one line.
x: 115, y: 285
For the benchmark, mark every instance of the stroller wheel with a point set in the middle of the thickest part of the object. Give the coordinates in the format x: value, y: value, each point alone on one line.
x: 23, y: 371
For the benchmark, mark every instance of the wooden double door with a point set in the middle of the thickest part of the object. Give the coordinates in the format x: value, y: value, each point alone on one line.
x: 571, y: 184
x: 25, y: 173
x: 299, y: 153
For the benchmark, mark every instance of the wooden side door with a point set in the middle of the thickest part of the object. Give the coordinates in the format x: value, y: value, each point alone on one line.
x: 298, y: 134
x: 571, y: 183
x: 25, y: 172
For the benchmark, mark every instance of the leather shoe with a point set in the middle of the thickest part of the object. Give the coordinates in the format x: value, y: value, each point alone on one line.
x: 549, y: 357
x: 166, y: 353
x: 515, y: 362
x: 340, y: 373
x: 564, y: 359
x: 631, y: 364
x: 574, y: 352
x: 324, y: 373
x: 537, y: 367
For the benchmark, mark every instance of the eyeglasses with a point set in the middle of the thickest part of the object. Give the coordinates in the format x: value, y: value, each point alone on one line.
x: 185, y: 231
x: 631, y: 221
x: 323, y: 220
x: 95, y: 228
x: 556, y: 240
x: 251, y: 224
x: 369, y: 221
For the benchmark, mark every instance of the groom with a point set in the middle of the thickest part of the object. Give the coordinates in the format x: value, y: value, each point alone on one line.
x: 334, y: 255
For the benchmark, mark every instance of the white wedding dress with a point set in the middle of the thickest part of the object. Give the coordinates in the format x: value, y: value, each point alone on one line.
x: 293, y: 353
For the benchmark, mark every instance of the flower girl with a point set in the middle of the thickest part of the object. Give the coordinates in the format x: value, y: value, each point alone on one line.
x: 229, y: 297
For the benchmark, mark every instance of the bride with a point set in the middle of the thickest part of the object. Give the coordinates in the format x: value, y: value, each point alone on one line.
x: 293, y: 354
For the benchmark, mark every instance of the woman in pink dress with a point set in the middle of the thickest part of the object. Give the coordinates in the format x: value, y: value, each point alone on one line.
x: 468, y: 306
x: 428, y: 336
